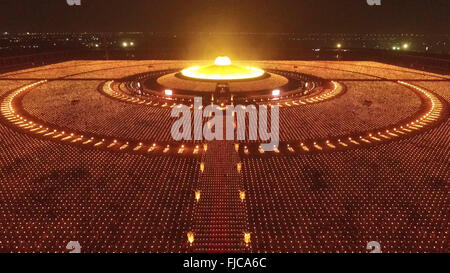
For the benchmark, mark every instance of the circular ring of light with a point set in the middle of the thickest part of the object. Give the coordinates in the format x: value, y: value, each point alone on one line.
x: 222, y: 69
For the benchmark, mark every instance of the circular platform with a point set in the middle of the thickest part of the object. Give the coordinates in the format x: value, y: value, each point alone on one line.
x: 222, y: 70
x: 173, y: 81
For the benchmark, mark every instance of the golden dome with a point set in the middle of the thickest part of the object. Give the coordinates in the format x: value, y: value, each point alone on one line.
x: 222, y: 69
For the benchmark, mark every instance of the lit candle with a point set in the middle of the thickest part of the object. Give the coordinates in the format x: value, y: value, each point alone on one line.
x: 247, y: 238
x: 242, y: 195
x: 190, y: 236
x: 197, y: 195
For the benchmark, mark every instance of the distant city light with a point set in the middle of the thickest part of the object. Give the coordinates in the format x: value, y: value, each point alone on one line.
x: 405, y: 46
x: 125, y: 44
x: 131, y: 44
x: 339, y: 45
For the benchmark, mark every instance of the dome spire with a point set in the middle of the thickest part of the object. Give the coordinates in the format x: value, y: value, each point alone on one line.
x: 222, y: 60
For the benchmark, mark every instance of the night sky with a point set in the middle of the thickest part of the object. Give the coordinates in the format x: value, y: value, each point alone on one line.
x: 262, y: 16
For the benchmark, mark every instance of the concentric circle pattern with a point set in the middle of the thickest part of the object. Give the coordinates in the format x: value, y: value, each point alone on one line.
x: 87, y: 155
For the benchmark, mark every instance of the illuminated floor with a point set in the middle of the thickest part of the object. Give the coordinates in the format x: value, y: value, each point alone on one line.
x: 111, y: 178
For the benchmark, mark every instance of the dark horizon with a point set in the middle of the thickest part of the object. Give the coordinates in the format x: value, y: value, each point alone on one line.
x: 231, y: 16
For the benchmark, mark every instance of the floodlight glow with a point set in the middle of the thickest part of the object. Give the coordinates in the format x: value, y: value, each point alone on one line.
x: 223, y: 60
x: 222, y: 69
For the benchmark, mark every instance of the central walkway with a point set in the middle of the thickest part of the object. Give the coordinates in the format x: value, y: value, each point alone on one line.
x: 220, y: 217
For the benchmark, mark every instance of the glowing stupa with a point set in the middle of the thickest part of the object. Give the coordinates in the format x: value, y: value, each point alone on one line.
x: 222, y: 69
